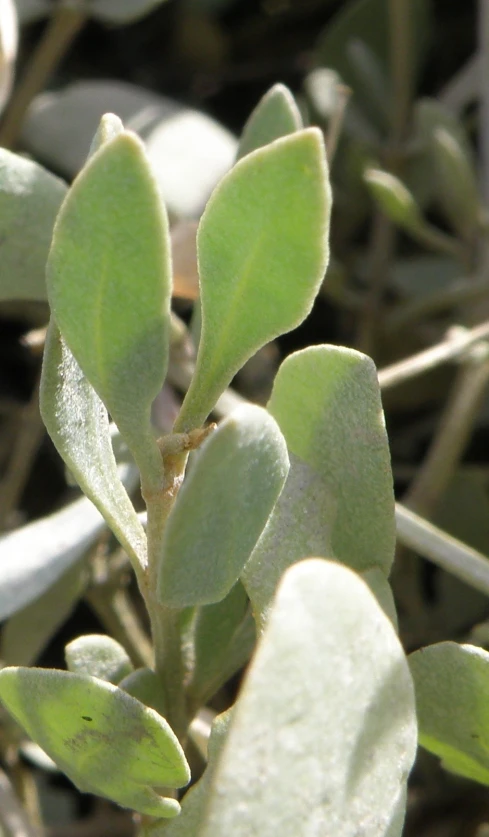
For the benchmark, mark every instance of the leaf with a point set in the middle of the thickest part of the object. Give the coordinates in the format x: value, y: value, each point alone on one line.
x: 48, y: 548
x: 323, y: 733
x: 452, y: 699
x: 223, y: 639
x: 78, y: 424
x: 98, y: 655
x: 457, y: 191
x: 189, y: 152
x: 109, y: 277
x: 263, y: 251
x: 394, y: 199
x: 146, y: 686
x: 338, y: 501
x: 30, y: 198
x: 105, y: 741
x: 122, y: 11
x: 275, y: 115
x: 221, y: 509
x: 29, y: 630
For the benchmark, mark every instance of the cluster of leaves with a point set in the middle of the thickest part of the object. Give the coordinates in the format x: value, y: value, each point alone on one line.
x: 283, y: 523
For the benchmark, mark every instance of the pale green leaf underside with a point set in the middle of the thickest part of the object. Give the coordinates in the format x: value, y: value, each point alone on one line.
x: 106, y: 742
x: 276, y: 115
x: 288, y: 766
x: 78, y: 424
x: 326, y: 401
x: 109, y: 284
x: 263, y: 251
x: 98, y: 655
x: 30, y: 198
x: 452, y: 699
x: 221, y: 509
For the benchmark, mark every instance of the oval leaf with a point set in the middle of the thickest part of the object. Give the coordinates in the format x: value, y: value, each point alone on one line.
x: 263, y: 251
x: 323, y: 733
x: 30, y: 198
x: 106, y: 741
x: 275, y: 116
x: 109, y: 283
x: 338, y: 501
x: 221, y: 509
x: 98, y: 655
x: 452, y: 700
x: 78, y: 424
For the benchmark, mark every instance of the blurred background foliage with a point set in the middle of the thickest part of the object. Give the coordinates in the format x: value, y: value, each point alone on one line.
x: 401, y: 90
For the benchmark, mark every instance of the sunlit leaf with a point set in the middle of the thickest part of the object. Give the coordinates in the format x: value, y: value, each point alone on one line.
x: 30, y: 198
x: 338, y: 501
x: 275, y: 116
x: 98, y: 655
x: 452, y: 701
x: 106, y: 741
x: 221, y: 509
x: 109, y: 278
x: 323, y: 733
x: 78, y: 424
x: 263, y: 250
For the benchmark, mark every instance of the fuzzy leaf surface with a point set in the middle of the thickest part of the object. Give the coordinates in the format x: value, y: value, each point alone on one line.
x: 263, y: 250
x: 275, y: 116
x: 78, y: 423
x: 30, y: 198
x: 290, y: 767
x: 452, y: 700
x: 109, y: 279
x: 106, y: 741
x: 98, y: 655
x: 221, y: 509
x: 338, y: 501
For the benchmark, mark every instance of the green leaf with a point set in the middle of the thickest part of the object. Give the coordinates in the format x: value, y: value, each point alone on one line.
x: 29, y: 630
x: 30, y: 198
x: 98, y: 655
x: 146, y: 686
x: 275, y: 116
x: 223, y: 639
x: 327, y: 707
x: 338, y: 501
x: 109, y: 279
x: 78, y: 424
x: 263, y: 250
x: 452, y: 700
x: 221, y: 509
x: 189, y: 823
x: 457, y: 192
x: 105, y: 741
x: 395, y: 200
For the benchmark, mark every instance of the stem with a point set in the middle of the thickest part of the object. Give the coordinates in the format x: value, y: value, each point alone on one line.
x: 454, y: 346
x: 451, y: 438
x: 58, y: 36
x: 450, y: 554
x: 165, y: 621
x: 381, y: 249
x: 401, y: 67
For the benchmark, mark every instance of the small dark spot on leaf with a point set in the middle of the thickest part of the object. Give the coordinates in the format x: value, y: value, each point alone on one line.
x: 86, y: 718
